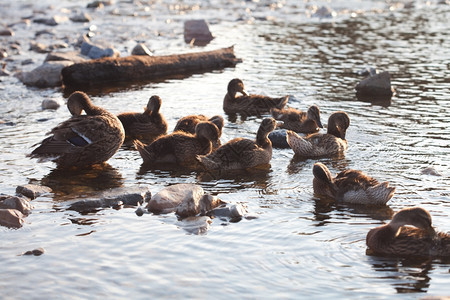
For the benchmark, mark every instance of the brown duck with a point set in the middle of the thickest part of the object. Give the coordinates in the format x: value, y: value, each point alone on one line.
x: 297, y: 120
x: 147, y: 125
x: 249, y: 104
x: 82, y: 140
x: 350, y: 186
x: 395, y: 239
x: 179, y: 147
x: 318, y: 144
x: 241, y: 153
x: 188, y: 124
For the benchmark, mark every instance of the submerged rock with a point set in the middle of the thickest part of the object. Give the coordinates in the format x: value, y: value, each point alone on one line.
x: 19, y: 203
x: 46, y: 75
x: 232, y: 213
x: 378, y: 85
x: 430, y: 171
x: 279, y: 138
x: 33, y: 191
x: 195, y: 225
x: 11, y: 218
x: 35, y: 252
x: 72, y: 56
x: 197, y: 32
x: 97, y: 51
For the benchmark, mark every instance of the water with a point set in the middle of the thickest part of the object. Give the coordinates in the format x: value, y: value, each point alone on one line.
x: 298, y: 245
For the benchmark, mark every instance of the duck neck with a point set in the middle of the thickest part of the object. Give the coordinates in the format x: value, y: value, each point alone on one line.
x: 382, y: 236
x: 262, y: 138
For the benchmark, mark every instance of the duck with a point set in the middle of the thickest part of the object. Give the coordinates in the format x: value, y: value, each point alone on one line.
x: 297, y: 120
x: 350, y: 186
x: 179, y: 148
x: 145, y: 126
x: 242, y: 153
x: 399, y: 240
x: 84, y: 139
x: 319, y: 144
x: 188, y: 123
x: 249, y: 104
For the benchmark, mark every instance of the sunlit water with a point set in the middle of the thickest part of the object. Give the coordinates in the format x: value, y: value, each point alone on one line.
x: 298, y: 245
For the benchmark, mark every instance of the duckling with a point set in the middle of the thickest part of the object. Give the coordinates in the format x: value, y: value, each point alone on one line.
x: 188, y: 123
x: 240, y: 153
x: 317, y: 144
x: 394, y: 239
x: 179, y: 147
x: 249, y: 104
x: 82, y: 140
x: 147, y: 125
x: 350, y: 186
x: 297, y: 120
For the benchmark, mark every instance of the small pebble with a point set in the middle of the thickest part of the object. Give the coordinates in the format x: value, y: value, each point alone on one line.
x: 35, y: 252
x: 50, y: 104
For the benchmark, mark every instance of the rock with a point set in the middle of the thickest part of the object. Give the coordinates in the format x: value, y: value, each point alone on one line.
x: 195, y: 225
x: 35, y: 252
x: 99, y: 4
x: 11, y: 218
x: 378, y: 85
x: 72, y: 56
x: 50, y: 104
x: 3, y: 53
x: 194, y: 206
x: 233, y: 213
x: 6, y: 32
x: 197, y: 32
x: 52, y: 21
x: 38, y: 47
x: 140, y: 211
x: 27, y: 61
x: 324, y: 12
x: 367, y: 71
x: 94, y: 51
x: 141, y: 49
x: 46, y: 75
x: 81, y: 18
x: 113, y: 199
x: 278, y: 138
x: 21, y: 204
x: 430, y: 171
x: 33, y: 191
x: 167, y: 200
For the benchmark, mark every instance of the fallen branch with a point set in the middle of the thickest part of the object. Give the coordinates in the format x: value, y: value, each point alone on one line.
x: 137, y: 67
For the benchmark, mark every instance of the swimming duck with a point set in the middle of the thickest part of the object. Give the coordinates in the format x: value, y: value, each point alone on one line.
x: 82, y: 140
x: 240, y: 153
x: 318, y: 144
x: 350, y: 186
x: 249, y: 104
x: 147, y: 125
x: 297, y: 120
x: 394, y: 239
x: 179, y: 147
x: 188, y: 123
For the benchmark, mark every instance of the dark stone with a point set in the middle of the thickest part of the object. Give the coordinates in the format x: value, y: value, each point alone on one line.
x: 52, y: 21
x: 38, y: 47
x: 72, y: 56
x: 197, y: 32
x: 231, y: 213
x: 278, y: 138
x: 141, y: 49
x: 95, y: 51
x: 376, y: 89
x: 81, y: 18
x: 35, y: 252
x: 50, y: 104
x: 6, y: 32
x: 32, y: 191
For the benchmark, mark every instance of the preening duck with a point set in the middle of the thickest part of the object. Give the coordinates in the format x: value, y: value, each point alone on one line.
x: 179, y: 147
x: 318, y: 144
x: 249, y: 104
x: 188, y: 124
x: 82, y: 140
x: 399, y: 240
x: 145, y: 126
x: 350, y: 186
x: 297, y: 120
x: 241, y: 153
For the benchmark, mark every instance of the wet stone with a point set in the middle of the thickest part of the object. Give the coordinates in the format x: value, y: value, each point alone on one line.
x: 141, y: 49
x: 46, y: 75
x: 72, y: 56
x: 197, y: 32
x: 35, y: 252
x: 19, y: 203
x: 28, y: 61
x: 195, y: 224
x: 6, y: 32
x: 81, y: 18
x: 94, y: 51
x: 33, y: 191
x: 278, y: 138
x: 11, y: 218
x: 231, y: 213
x: 50, y: 104
x: 377, y: 85
x: 52, y: 21
x: 38, y: 47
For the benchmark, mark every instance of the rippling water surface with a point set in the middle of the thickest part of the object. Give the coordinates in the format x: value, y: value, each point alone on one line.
x: 298, y: 245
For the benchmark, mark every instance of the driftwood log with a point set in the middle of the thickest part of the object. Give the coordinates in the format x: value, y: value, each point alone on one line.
x: 104, y: 71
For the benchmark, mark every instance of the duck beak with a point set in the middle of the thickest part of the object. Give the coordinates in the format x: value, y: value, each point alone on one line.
x: 279, y: 124
x: 431, y: 232
x: 244, y: 92
x: 319, y: 123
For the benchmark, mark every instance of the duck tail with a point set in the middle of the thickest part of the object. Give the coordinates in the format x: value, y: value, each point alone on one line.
x: 322, y: 173
x: 283, y: 102
x: 206, y: 162
x: 146, y: 156
x: 298, y: 144
x: 381, y: 193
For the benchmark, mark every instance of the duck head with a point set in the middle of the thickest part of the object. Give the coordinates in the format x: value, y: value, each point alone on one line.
x: 207, y: 130
x: 153, y: 105
x: 313, y: 113
x: 234, y: 86
x: 338, y: 123
x: 77, y: 102
x: 415, y: 216
x: 219, y: 122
